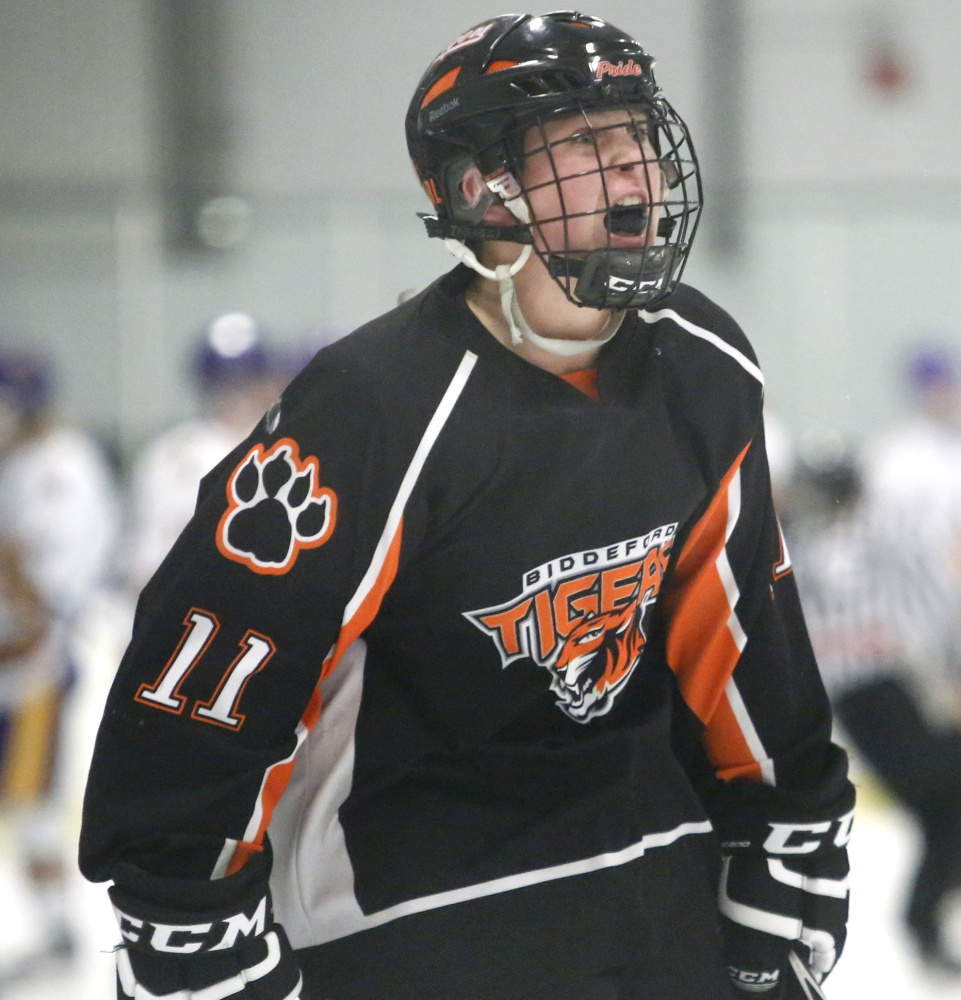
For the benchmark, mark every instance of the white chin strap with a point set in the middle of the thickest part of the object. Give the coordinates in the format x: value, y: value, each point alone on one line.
x: 503, y: 274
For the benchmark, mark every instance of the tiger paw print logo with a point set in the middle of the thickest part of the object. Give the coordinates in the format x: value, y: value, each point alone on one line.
x: 275, y: 508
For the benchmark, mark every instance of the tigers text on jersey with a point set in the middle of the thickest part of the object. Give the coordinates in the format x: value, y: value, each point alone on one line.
x: 487, y: 657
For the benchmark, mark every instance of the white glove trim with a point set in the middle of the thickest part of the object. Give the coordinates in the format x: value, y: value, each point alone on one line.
x: 837, y: 888
x: 823, y: 951
x: 217, y: 991
x: 295, y: 993
x: 751, y: 916
x: 806, y: 980
x: 822, y: 944
x: 261, y: 969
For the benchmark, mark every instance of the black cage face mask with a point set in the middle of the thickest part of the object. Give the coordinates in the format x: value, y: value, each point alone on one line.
x: 613, y: 192
x: 482, y: 134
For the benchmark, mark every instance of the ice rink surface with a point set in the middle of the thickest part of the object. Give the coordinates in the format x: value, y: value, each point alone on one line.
x: 879, y: 962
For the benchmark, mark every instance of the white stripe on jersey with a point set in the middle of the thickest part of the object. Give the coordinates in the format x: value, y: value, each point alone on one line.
x: 431, y: 434
x: 733, y: 593
x: 750, y: 733
x: 711, y: 338
x: 371, y: 577
x: 613, y: 859
x: 723, y: 564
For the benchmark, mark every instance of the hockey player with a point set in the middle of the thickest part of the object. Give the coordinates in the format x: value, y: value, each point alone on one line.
x: 913, y: 470
x: 236, y: 379
x: 482, y: 649
x: 58, y: 519
x: 884, y: 628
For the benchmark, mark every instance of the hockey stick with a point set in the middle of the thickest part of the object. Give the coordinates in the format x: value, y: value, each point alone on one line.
x: 809, y: 985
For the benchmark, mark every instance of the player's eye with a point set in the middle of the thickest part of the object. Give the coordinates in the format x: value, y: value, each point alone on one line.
x: 583, y: 138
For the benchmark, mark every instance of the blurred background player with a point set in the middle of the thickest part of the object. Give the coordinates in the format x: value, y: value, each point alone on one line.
x: 58, y: 518
x: 237, y: 379
x: 883, y: 622
x: 913, y: 471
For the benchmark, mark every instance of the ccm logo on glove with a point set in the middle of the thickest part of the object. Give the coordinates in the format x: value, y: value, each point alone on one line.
x: 188, y: 939
x: 806, y: 838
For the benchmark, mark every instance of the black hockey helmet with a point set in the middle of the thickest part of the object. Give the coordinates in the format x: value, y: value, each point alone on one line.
x: 475, y: 108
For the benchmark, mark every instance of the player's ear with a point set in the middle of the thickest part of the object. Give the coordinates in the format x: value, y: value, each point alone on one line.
x: 497, y: 215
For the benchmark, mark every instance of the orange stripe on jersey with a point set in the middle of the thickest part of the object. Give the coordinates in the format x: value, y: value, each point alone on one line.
x: 361, y: 610
x: 274, y: 785
x: 243, y: 852
x: 278, y: 777
x: 353, y: 627
x: 725, y: 743
x: 702, y: 644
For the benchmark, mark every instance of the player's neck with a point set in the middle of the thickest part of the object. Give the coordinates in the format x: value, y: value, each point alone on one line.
x: 548, y: 312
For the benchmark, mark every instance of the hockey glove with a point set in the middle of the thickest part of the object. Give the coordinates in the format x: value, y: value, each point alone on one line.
x: 239, y: 951
x: 778, y: 907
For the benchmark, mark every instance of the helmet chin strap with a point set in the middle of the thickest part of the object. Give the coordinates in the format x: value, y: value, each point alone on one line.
x: 555, y: 345
x: 503, y: 274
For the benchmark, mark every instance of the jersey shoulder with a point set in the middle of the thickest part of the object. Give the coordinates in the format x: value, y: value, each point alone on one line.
x: 393, y: 368
x: 700, y: 322
x: 362, y: 404
x: 713, y: 386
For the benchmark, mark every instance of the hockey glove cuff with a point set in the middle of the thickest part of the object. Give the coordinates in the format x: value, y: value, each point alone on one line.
x: 238, y: 951
x: 773, y: 906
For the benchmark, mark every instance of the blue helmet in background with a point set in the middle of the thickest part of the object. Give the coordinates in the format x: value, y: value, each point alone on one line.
x: 26, y: 380
x: 231, y: 351
x: 931, y: 367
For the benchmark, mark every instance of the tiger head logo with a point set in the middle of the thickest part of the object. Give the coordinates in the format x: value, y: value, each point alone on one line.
x: 597, y: 659
x: 582, y: 617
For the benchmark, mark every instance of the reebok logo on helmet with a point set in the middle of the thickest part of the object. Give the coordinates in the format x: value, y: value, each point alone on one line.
x: 454, y: 102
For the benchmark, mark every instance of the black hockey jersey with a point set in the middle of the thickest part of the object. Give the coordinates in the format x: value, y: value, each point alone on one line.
x: 484, y: 660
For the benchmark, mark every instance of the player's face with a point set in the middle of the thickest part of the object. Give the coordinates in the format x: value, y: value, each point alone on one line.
x: 598, y: 169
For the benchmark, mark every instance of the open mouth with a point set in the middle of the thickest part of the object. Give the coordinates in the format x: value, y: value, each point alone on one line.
x: 629, y: 217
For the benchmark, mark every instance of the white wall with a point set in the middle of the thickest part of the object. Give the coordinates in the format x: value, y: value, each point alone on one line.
x: 853, y: 209
x: 855, y: 206
x: 75, y: 77
x: 326, y: 84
